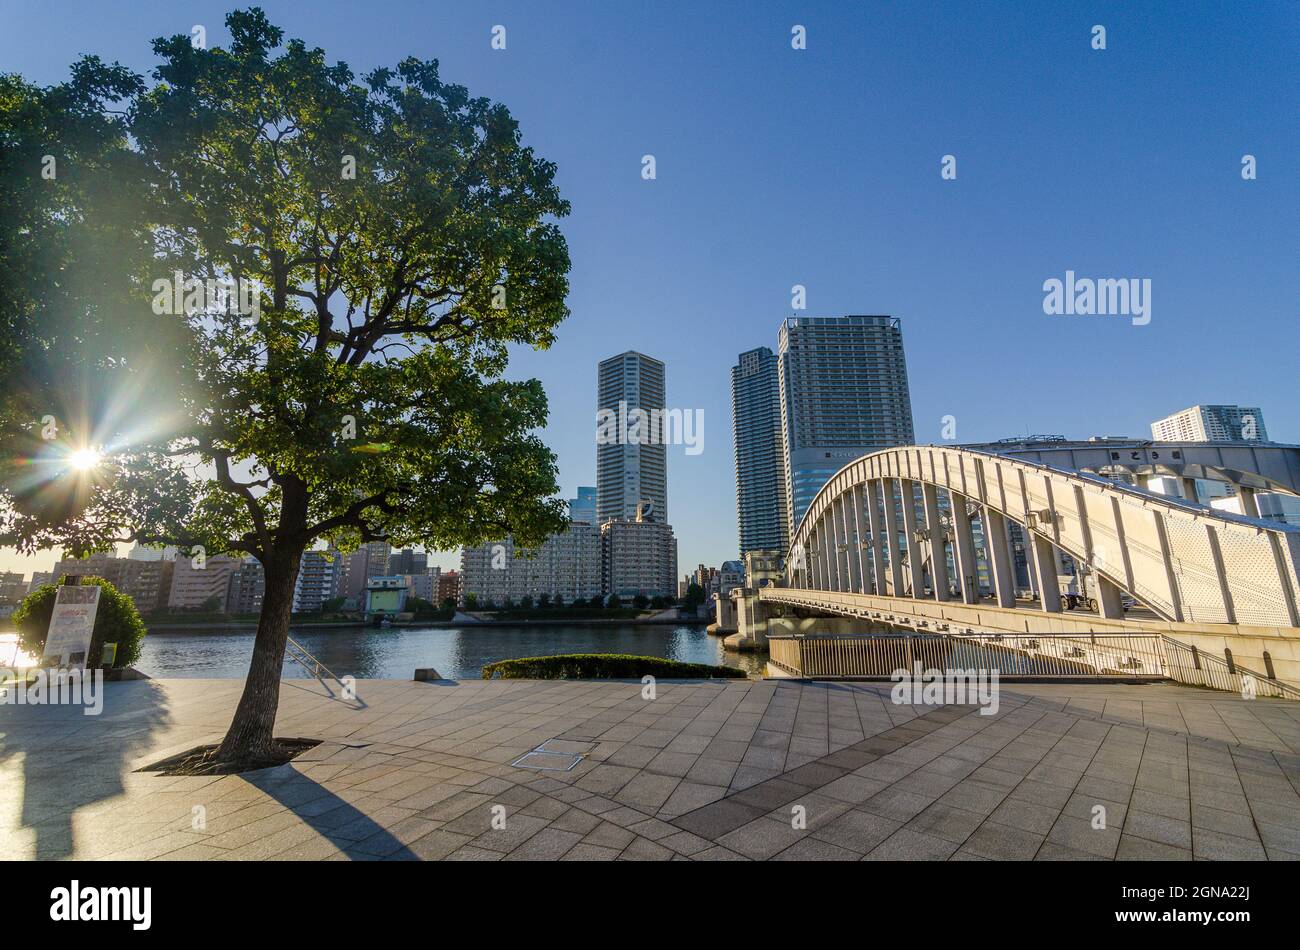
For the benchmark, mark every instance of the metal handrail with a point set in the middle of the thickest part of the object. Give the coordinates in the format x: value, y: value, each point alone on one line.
x: 299, y: 654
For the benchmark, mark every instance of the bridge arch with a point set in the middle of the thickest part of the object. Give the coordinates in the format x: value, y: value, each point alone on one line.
x: 1184, y: 562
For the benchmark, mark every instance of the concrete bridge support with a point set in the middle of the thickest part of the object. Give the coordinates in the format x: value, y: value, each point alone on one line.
x: 938, y: 551
x: 968, y: 572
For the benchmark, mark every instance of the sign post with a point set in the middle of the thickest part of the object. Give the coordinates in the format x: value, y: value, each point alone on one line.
x: 72, y: 625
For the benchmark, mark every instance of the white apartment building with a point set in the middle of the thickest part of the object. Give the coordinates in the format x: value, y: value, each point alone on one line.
x: 567, y: 565
x: 1212, y: 424
x: 320, y: 578
x: 638, y: 557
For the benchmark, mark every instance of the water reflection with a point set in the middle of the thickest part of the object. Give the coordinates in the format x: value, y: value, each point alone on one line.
x: 456, y: 652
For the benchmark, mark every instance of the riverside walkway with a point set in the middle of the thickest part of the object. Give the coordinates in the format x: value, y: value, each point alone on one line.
x: 722, y: 770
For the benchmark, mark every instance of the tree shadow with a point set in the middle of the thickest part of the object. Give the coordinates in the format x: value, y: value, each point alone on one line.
x: 71, y: 760
x: 345, y: 826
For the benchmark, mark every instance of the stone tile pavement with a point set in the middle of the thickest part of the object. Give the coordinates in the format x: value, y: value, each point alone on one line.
x: 724, y: 770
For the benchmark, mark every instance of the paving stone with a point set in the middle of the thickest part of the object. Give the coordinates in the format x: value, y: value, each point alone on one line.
x: 907, y: 845
x: 1003, y: 842
x: 1080, y: 835
x: 1158, y: 828
x: 1133, y: 848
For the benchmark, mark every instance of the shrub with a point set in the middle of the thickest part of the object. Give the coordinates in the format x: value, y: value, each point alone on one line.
x: 116, y: 620
x: 597, y: 666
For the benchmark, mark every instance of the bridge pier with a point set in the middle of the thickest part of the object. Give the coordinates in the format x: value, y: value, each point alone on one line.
x: 938, y: 553
x: 1249, y: 503
x: 877, y: 536
x: 891, y: 539
x: 915, y: 565
x: 1049, y: 592
x: 998, y: 545
x: 1110, y: 602
x: 968, y: 571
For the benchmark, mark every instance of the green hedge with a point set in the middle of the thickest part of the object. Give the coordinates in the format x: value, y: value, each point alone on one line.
x: 604, y: 666
x: 116, y: 621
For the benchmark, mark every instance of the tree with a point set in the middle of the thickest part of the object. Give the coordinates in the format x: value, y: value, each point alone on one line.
x: 526, y: 601
x: 559, y: 600
x: 544, y: 600
x: 613, y: 601
x: 116, y: 621
x: 471, y: 601
x: 397, y: 238
x: 694, y: 596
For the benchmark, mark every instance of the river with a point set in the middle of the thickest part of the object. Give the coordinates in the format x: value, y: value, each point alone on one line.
x: 455, y: 652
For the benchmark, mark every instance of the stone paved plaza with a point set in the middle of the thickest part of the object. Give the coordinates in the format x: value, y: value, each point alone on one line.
x: 704, y: 771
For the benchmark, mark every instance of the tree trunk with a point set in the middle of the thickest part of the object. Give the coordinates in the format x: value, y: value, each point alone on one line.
x: 249, y: 739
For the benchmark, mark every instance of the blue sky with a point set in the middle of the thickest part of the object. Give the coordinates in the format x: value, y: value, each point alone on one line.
x: 821, y: 167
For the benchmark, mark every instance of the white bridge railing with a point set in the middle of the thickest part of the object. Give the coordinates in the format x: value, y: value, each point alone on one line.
x: 1126, y: 657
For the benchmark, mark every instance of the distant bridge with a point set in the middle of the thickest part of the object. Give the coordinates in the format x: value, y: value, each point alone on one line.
x: 877, y: 541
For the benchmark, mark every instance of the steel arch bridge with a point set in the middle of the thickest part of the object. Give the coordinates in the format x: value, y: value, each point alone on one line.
x: 883, y: 527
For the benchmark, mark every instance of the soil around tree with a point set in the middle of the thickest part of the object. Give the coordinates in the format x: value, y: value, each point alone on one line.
x: 202, y: 760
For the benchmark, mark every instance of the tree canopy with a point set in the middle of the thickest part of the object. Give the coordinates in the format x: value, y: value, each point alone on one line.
x: 367, y: 398
x: 265, y: 302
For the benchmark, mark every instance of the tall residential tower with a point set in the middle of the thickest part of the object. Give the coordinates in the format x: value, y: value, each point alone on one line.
x: 843, y: 383
x: 760, y: 470
x: 631, y: 471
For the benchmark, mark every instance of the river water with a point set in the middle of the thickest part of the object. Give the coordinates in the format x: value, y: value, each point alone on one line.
x: 455, y: 652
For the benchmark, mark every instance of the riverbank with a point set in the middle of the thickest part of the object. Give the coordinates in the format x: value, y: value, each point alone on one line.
x: 460, y: 621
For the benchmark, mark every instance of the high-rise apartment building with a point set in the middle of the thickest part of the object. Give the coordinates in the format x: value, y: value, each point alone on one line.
x: 843, y: 383
x: 449, y: 586
x: 247, y: 588
x: 320, y: 578
x: 147, y: 583
x: 631, y: 458
x: 408, y: 561
x: 638, y: 557
x: 369, y: 560
x: 760, y: 469
x: 203, y: 584
x: 1212, y: 424
x: 567, y: 565
x: 13, y: 586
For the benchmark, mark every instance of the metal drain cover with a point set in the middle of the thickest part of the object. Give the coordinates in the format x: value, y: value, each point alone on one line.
x: 547, y: 761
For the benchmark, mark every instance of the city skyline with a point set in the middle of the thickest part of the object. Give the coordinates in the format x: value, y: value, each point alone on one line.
x: 856, y: 211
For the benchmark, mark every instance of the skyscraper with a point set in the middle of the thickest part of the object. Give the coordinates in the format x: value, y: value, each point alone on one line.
x: 1212, y: 424
x: 631, y: 459
x: 843, y: 394
x: 760, y: 470
x: 583, y: 508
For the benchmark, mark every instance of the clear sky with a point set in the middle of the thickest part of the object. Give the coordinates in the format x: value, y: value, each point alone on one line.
x: 821, y: 167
